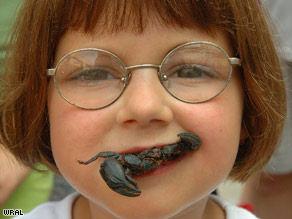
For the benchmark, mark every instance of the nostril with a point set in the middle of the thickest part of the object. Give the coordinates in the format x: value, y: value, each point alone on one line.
x: 135, y: 123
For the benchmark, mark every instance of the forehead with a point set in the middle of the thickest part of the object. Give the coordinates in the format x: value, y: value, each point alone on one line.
x: 150, y: 46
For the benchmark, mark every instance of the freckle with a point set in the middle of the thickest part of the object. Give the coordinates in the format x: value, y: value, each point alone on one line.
x: 220, y: 130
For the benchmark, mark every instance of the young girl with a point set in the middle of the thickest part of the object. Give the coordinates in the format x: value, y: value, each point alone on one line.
x: 83, y: 77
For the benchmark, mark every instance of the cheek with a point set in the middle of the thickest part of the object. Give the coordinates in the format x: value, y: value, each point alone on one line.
x: 75, y: 133
x: 213, y: 122
x: 220, y: 136
x: 218, y: 123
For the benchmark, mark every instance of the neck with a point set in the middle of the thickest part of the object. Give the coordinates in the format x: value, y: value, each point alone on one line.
x: 83, y: 209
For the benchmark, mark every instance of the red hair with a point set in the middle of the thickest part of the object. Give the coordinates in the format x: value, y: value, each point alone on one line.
x: 24, y: 127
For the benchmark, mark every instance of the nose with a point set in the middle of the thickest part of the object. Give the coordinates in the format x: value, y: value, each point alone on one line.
x: 145, y: 101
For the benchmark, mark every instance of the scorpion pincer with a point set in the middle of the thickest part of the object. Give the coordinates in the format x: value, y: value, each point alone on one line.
x: 117, y: 170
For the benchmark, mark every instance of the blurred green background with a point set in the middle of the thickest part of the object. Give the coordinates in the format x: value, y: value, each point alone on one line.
x: 8, y: 11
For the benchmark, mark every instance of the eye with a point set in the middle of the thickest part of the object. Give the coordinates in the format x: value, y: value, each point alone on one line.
x: 93, y: 74
x: 193, y: 71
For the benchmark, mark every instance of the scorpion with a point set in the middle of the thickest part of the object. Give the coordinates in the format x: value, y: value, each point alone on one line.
x: 117, y: 169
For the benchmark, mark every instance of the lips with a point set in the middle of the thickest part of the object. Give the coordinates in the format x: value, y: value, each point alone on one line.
x: 137, y: 150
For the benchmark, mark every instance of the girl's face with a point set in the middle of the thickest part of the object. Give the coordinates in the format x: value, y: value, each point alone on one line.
x: 145, y: 116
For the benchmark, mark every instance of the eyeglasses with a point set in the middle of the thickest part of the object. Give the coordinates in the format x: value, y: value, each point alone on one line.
x: 193, y: 72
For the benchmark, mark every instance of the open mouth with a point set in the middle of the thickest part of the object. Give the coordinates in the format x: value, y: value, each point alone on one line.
x: 118, y: 169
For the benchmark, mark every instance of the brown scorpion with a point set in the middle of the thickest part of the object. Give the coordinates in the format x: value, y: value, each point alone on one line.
x: 117, y: 170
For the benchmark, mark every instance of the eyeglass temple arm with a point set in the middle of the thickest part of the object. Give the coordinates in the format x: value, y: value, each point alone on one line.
x: 235, y: 61
x: 51, y: 71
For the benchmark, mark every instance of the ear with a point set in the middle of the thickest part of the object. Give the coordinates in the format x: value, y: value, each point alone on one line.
x: 243, y: 134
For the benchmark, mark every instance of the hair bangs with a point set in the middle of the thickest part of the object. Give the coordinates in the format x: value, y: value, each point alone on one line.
x: 113, y: 16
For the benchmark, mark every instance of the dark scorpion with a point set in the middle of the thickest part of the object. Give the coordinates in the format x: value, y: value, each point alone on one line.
x: 117, y: 170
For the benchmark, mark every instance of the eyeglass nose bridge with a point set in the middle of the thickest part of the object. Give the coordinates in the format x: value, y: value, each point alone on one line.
x: 129, y: 69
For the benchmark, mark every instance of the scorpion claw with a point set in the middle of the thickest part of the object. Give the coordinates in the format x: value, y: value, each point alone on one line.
x: 115, y: 177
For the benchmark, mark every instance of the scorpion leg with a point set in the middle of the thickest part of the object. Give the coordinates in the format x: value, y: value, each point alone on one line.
x: 117, y: 178
x: 104, y: 154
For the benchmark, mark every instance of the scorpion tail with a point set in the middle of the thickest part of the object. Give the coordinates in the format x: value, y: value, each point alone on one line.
x: 189, y: 141
x: 115, y: 177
